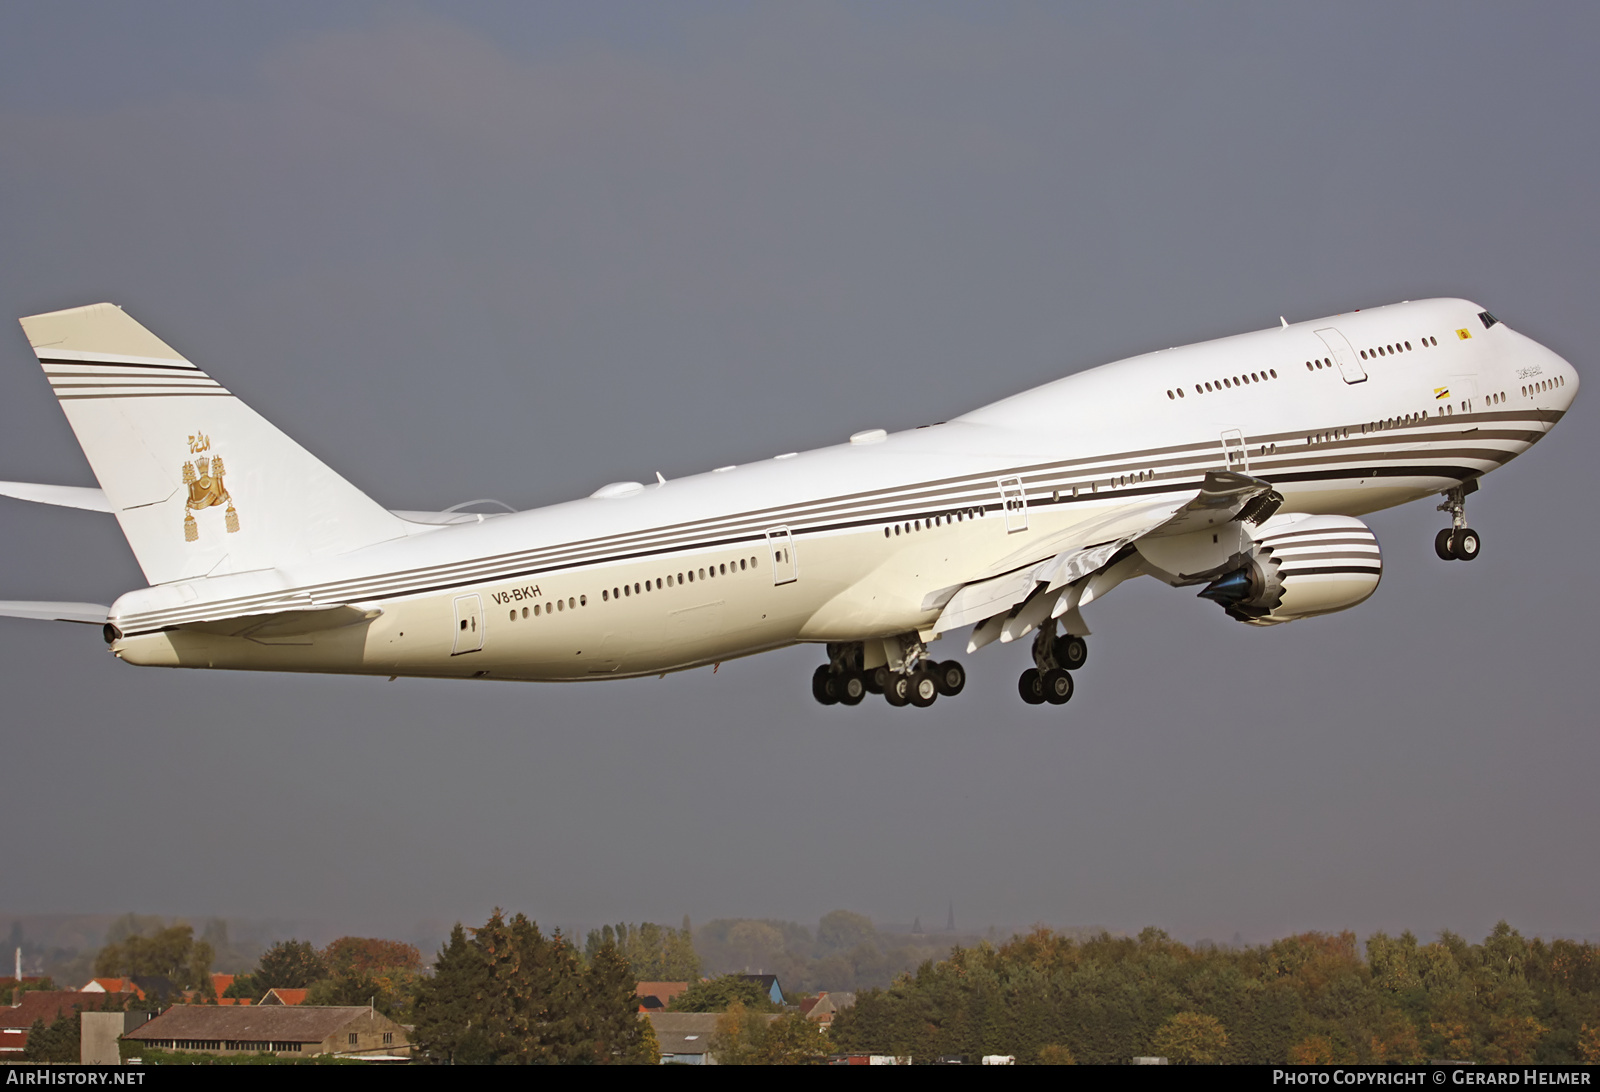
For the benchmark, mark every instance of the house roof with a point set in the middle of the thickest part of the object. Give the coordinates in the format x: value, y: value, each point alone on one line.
x: 689, y: 1032
x: 830, y: 1003
x: 683, y: 1032
x: 281, y: 1023
x: 143, y: 985
x: 283, y: 995
x: 664, y: 991
x: 46, y: 1005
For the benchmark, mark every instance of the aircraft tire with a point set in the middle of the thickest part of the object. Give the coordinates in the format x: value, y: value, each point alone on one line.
x: 897, y: 691
x: 952, y: 678
x: 1031, y: 687
x: 1466, y: 545
x: 851, y: 687
x: 1442, y: 544
x: 924, y: 688
x: 875, y: 679
x: 821, y: 686
x: 1057, y: 686
x: 1072, y: 652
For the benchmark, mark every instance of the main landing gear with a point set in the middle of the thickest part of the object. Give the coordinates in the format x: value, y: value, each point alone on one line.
x: 1458, y: 542
x: 919, y: 681
x: 1054, y: 659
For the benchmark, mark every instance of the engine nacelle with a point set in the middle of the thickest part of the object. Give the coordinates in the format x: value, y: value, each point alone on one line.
x: 1300, y: 566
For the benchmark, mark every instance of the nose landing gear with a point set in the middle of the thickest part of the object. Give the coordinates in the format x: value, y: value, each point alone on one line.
x: 1458, y: 542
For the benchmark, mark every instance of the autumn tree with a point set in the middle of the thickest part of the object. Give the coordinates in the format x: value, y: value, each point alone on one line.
x: 1589, y: 1045
x: 367, y: 970
x: 745, y: 1036
x: 1191, y: 1038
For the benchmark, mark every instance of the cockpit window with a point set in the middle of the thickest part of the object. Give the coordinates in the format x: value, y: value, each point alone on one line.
x: 1487, y: 319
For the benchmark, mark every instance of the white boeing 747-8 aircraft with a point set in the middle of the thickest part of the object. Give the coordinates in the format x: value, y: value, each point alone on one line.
x: 1236, y: 466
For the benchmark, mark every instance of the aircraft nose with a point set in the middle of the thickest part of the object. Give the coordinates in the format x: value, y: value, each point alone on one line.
x: 1566, y: 383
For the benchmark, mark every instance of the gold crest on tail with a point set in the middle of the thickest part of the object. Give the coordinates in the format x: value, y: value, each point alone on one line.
x: 203, y: 477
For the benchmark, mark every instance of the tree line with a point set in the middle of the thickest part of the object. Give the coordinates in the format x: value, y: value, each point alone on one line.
x: 1306, y: 999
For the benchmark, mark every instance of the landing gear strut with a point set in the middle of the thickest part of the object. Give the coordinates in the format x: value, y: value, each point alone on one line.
x: 911, y: 678
x: 1054, y: 659
x: 1458, y: 542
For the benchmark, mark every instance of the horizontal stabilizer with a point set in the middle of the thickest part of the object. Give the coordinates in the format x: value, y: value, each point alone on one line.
x: 92, y: 613
x: 64, y: 496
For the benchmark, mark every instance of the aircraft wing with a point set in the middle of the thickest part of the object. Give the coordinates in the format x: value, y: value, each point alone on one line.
x: 92, y: 613
x: 1094, y: 559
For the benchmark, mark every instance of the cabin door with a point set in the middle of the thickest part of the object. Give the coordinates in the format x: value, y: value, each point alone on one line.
x: 1343, y: 355
x: 780, y: 548
x: 1014, y: 501
x: 469, y: 624
x: 1234, y: 455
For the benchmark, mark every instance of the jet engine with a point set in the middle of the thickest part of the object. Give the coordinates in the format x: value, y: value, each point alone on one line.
x: 1300, y: 566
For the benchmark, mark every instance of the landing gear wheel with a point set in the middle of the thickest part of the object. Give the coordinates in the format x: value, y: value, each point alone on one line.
x: 1441, y: 544
x: 951, y: 677
x: 1057, y: 686
x: 1072, y: 652
x: 851, y: 687
x: 897, y: 690
x: 1465, y: 545
x: 822, y: 686
x: 924, y: 688
x: 875, y: 679
x: 1031, y: 687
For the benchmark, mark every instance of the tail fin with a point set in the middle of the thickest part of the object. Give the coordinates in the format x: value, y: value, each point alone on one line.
x: 201, y: 484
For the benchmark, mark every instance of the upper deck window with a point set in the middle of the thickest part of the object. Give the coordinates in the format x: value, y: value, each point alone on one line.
x: 1487, y: 319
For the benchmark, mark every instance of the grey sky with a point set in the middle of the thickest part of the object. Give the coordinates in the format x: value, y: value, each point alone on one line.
x: 519, y: 251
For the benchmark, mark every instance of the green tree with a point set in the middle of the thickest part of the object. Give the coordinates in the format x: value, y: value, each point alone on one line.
x: 450, y: 1004
x: 842, y: 931
x: 510, y: 994
x: 59, y: 1042
x: 655, y: 953
x: 289, y: 964
x: 719, y: 994
x: 791, y: 1039
x: 618, y: 1032
x: 170, y: 952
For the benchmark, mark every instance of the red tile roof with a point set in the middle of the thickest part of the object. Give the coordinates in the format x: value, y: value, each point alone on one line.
x: 282, y: 995
x: 46, y: 1005
x: 663, y: 991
